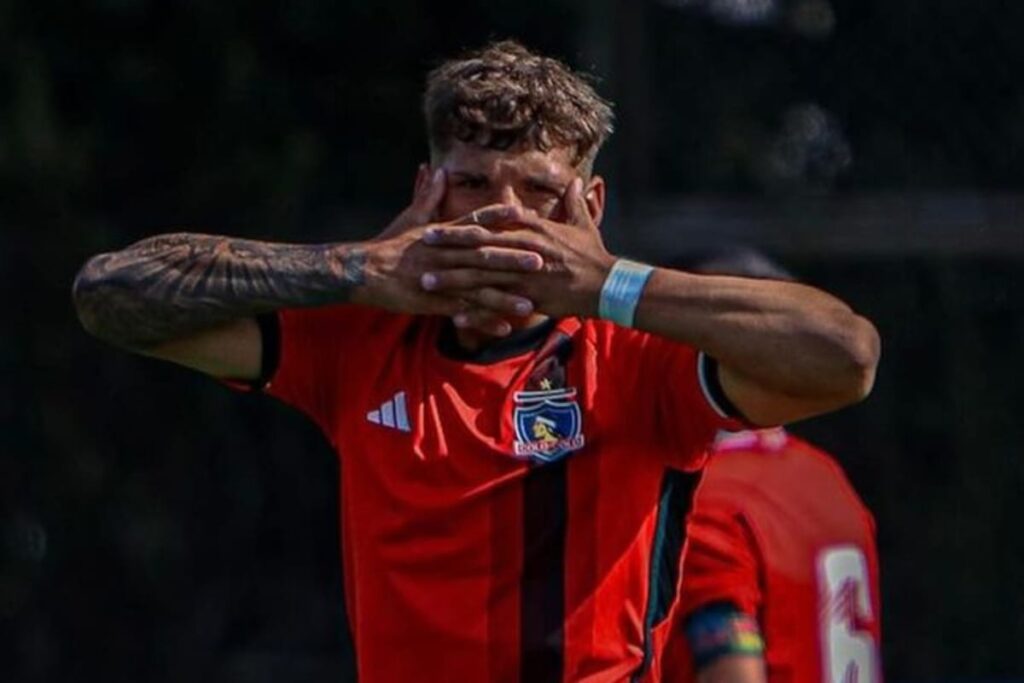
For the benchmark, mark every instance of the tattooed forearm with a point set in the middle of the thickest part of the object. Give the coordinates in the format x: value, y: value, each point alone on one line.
x: 168, y: 286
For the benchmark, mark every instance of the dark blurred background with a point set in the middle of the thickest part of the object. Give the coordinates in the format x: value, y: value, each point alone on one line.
x: 156, y: 527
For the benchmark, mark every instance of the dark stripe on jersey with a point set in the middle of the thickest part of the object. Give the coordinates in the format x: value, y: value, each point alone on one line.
x: 542, y: 591
x: 709, y: 370
x: 677, y: 489
x: 270, y: 353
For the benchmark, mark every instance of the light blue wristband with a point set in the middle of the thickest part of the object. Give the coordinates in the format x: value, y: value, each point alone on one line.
x: 621, y: 291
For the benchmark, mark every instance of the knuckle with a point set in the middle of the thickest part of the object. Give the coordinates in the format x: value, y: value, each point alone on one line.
x: 442, y: 280
x: 489, y: 297
x: 490, y: 257
x: 451, y: 306
x: 480, y: 316
x: 502, y: 301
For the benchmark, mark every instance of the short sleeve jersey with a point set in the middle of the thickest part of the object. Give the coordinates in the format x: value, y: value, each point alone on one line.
x: 778, y: 532
x: 500, y: 511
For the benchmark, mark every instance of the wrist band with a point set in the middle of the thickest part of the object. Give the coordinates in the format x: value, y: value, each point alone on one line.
x: 621, y: 291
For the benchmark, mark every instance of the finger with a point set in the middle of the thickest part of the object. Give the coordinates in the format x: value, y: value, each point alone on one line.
x: 576, y: 210
x: 429, y: 197
x: 435, y: 193
x: 495, y: 214
x: 422, y: 178
x: 489, y: 258
x: 499, y: 301
x: 508, y: 217
x: 456, y: 236
x: 466, y: 279
x: 530, y: 239
x: 443, y: 304
x: 484, y: 321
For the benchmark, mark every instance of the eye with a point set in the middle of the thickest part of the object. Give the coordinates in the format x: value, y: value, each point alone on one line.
x: 546, y: 190
x: 471, y: 183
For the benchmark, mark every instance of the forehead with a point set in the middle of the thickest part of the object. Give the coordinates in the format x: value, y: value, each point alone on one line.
x: 555, y: 164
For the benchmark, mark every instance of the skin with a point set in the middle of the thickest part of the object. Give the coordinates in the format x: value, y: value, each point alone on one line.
x: 496, y: 240
x: 192, y: 298
x: 527, y: 181
x: 812, y: 353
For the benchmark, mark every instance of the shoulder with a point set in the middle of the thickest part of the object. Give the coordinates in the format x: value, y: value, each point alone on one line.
x: 829, y: 466
x: 826, y: 464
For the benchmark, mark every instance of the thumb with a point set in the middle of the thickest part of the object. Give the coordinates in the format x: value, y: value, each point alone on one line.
x: 426, y: 197
x: 429, y: 197
x: 576, y: 210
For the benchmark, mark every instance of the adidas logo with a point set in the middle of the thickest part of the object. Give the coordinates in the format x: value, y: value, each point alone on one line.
x: 391, y: 413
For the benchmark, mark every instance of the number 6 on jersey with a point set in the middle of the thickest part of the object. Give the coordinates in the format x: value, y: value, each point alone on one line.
x: 849, y: 652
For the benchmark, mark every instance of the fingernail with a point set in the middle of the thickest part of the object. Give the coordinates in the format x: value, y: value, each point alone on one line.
x: 461, y: 320
x: 524, y: 307
x: 431, y: 236
x: 438, y: 176
x: 577, y: 184
x: 428, y: 280
x: 504, y: 329
x: 531, y: 262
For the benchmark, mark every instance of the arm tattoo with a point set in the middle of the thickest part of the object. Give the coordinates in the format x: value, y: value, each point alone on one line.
x: 171, y: 285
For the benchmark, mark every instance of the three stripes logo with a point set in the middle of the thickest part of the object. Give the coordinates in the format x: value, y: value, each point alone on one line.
x: 392, y: 413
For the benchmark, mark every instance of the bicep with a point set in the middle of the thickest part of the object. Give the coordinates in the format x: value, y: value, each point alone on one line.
x: 233, y: 350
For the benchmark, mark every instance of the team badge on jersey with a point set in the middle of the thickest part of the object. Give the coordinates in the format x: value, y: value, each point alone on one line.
x: 548, y: 424
x: 547, y: 418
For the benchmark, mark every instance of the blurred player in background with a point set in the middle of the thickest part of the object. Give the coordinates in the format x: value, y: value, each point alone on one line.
x: 780, y: 575
x: 504, y: 394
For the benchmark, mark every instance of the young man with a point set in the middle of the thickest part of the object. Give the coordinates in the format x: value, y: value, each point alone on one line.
x: 780, y: 575
x: 503, y: 431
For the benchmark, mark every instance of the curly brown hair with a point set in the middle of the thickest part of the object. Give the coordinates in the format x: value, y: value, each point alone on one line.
x: 504, y: 95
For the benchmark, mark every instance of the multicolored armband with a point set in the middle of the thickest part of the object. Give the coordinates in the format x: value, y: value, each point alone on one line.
x: 721, y: 629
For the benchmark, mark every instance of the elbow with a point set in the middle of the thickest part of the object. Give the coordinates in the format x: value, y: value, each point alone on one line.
x: 862, y: 346
x: 87, y: 297
x: 81, y: 289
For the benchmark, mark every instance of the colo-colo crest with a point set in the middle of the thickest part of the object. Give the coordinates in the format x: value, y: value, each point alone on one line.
x: 548, y: 424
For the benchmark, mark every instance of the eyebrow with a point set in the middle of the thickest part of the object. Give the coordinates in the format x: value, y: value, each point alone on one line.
x: 473, y: 175
x: 538, y: 179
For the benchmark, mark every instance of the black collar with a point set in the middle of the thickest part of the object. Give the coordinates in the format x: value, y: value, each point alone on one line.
x: 519, y: 342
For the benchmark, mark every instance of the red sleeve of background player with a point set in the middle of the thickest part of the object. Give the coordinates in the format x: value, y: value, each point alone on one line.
x: 690, y: 407
x: 720, y: 561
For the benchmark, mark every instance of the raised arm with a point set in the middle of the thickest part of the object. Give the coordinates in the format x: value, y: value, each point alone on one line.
x: 193, y: 299
x: 785, y: 351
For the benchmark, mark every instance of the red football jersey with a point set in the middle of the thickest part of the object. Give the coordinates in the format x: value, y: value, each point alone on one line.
x: 778, y: 531
x: 500, y: 513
